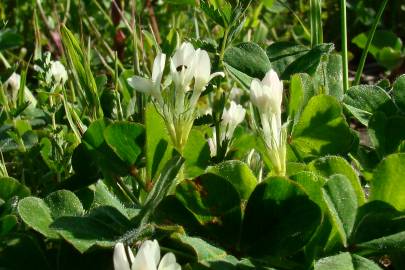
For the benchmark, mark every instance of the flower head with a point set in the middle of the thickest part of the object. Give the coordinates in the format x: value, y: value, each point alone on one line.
x: 232, y: 117
x: 267, y: 96
x: 147, y: 258
x: 13, y: 84
x: 57, y: 73
x: 182, y: 66
x: 268, y: 93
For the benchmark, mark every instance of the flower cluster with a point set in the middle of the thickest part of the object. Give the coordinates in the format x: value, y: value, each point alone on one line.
x: 190, y: 71
x: 11, y: 87
x: 266, y: 96
x: 54, y: 72
x: 231, y: 118
x: 147, y: 258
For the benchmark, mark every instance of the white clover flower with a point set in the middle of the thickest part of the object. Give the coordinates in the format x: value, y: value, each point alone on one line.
x: 147, y: 258
x: 12, y: 85
x: 268, y: 93
x: 267, y: 96
x: 56, y: 73
x: 231, y: 118
x: 182, y: 66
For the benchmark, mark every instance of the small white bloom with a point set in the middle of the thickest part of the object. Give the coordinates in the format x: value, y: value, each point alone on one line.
x: 12, y: 86
x: 151, y: 86
x: 267, y: 94
x: 182, y: 66
x: 147, y: 258
x: 56, y: 73
x: 232, y: 117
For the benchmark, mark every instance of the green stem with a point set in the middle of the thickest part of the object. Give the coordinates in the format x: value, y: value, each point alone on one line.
x: 368, y: 44
x: 223, y: 45
x: 127, y: 191
x: 343, y: 21
x: 316, y: 22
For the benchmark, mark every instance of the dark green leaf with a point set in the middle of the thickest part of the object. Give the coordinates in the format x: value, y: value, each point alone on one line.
x: 158, y: 144
x: 375, y: 220
x: 282, y: 54
x: 103, y: 226
x: 125, y: 139
x: 10, y: 187
x: 238, y: 174
x: 249, y: 59
x: 221, y: 218
x: 342, y: 261
x: 365, y: 100
x: 329, y: 76
x: 196, y: 154
x: 342, y: 205
x: 9, y: 39
x: 308, y: 62
x: 301, y: 90
x: 39, y: 214
x: 388, y: 181
x: 312, y: 184
x: 279, y: 219
x: 162, y: 186
x: 386, y: 133
x: 322, y: 129
x: 330, y: 165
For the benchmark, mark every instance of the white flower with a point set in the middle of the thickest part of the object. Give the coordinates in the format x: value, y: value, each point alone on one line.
x: 57, y: 73
x: 182, y: 66
x: 147, y: 258
x: 152, y: 85
x: 232, y: 117
x: 188, y: 63
x: 267, y: 94
x: 202, y: 71
x: 12, y: 86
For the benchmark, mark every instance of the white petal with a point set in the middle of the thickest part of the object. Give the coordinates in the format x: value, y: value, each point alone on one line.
x: 169, y: 262
x: 158, y: 68
x: 120, y: 258
x: 151, y: 250
x: 255, y: 91
x: 140, y: 84
x: 143, y: 262
x: 183, y: 55
x: 202, y: 69
x: 216, y: 74
x: 270, y: 78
